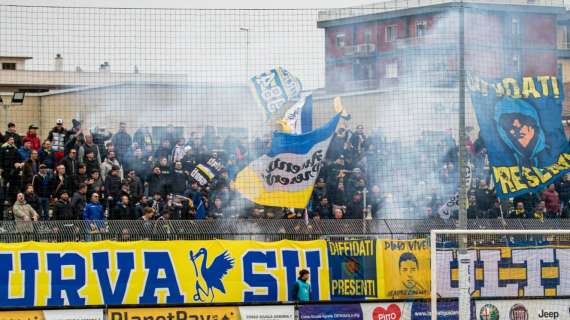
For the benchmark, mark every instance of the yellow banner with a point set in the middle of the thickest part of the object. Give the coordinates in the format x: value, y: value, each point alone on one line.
x: 183, y: 272
x: 147, y: 272
x: 405, y: 268
x: 197, y: 313
x: 22, y: 315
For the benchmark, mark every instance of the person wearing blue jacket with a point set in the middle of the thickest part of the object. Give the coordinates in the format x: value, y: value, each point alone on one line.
x: 93, y: 211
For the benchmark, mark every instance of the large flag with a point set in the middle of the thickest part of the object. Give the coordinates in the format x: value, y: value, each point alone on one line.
x: 520, y: 121
x: 285, y: 177
x: 273, y: 88
x: 299, y: 118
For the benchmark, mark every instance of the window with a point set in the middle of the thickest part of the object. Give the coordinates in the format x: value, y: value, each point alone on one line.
x: 339, y: 40
x: 367, y: 36
x: 421, y: 28
x: 392, y: 70
x: 8, y: 66
x: 391, y: 33
x: 515, y: 26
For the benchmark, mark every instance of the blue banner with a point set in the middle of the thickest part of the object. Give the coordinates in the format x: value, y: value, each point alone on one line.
x: 520, y: 122
x: 352, y: 266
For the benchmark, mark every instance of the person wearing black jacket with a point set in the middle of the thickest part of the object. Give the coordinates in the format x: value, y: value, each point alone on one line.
x: 113, y: 186
x: 11, y: 133
x: 60, y: 181
x: 136, y: 187
x: 71, y: 163
x: 78, y: 201
x: 62, y: 209
x: 81, y: 177
x: 31, y: 197
x: 9, y: 160
x: 177, y: 179
x: 123, y: 210
x: 155, y: 182
x: 91, y: 162
x: 42, y: 188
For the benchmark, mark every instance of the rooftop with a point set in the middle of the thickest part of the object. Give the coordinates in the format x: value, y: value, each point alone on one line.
x: 395, y: 5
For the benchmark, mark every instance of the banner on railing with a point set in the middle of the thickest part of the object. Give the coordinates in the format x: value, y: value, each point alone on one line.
x: 418, y: 310
x: 176, y: 272
x: 523, y: 309
x: 508, y: 272
x: 67, y: 314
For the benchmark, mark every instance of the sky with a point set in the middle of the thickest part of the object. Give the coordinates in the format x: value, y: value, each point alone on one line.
x: 211, y: 4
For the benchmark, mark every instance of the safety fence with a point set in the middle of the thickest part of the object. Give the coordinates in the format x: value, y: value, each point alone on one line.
x: 261, y: 230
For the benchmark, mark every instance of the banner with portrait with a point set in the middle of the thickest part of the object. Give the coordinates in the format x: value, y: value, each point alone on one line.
x: 404, y: 268
x: 520, y: 122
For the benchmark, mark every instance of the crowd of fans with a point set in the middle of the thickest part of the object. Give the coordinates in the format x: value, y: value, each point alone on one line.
x: 93, y: 175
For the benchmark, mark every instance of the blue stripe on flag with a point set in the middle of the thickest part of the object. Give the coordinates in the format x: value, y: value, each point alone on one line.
x: 301, y: 143
x: 307, y: 115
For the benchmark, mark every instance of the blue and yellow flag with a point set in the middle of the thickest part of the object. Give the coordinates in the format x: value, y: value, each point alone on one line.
x: 520, y: 121
x: 285, y: 177
x: 272, y: 89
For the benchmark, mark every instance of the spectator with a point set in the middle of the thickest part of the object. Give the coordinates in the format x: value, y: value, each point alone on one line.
x: 32, y: 136
x: 95, y: 184
x: 563, y: 189
x: 530, y: 201
x: 122, y: 141
x: 178, y: 152
x: 148, y: 214
x: 551, y: 201
x: 141, y: 204
x: 31, y: 168
x: 91, y: 162
x: 91, y: 146
x: 56, y: 137
x: 47, y: 155
x: 163, y: 151
x: 324, y: 209
x: 358, y: 141
x: 518, y: 212
x: 338, y: 213
x: 216, y: 211
x: 74, y: 136
x: 157, y: 203
x: 113, y: 184
x: 78, y: 201
x: 108, y: 164
x: 485, y: 198
x: 93, y: 212
x: 25, y: 150
x: 11, y: 133
x: 155, y: 182
x: 140, y: 164
x: 31, y: 198
x: 143, y: 137
x: 60, y: 181
x: 100, y: 136
x: 189, y: 161
x: 539, y: 212
x: 355, y: 209
x: 81, y: 177
x: 42, y: 188
x: 62, y: 208
x: 23, y: 214
x: 123, y: 210
x: 178, y: 179
x: 71, y: 163
x: 135, y: 185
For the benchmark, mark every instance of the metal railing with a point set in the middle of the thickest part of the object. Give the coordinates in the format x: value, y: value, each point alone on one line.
x: 261, y: 230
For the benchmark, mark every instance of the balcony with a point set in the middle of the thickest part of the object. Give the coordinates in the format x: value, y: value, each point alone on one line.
x: 359, y: 50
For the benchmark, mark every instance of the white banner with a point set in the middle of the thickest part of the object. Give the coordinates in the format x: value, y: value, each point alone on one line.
x: 71, y: 314
x: 267, y: 313
x: 542, y: 309
x: 386, y: 311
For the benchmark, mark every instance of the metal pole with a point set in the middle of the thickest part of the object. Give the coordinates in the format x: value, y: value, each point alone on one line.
x: 246, y: 30
x: 464, y: 280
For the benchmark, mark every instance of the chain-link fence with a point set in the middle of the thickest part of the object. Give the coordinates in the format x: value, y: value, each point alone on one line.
x: 132, y: 102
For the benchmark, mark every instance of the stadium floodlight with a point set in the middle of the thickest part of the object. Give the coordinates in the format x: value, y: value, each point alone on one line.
x: 442, y: 249
x: 18, y: 97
